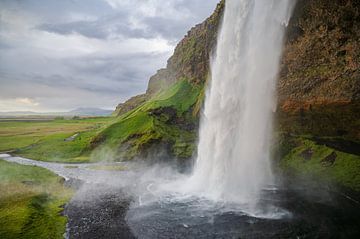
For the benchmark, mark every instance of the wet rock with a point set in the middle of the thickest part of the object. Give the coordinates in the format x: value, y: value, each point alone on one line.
x: 307, y: 154
x: 329, y: 160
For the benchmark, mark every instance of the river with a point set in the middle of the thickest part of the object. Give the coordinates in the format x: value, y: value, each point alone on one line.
x: 128, y: 204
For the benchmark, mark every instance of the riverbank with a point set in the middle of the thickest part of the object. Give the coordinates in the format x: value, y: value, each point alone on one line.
x: 71, y: 198
x: 133, y: 204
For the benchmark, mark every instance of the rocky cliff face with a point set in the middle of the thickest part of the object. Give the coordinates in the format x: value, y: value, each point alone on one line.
x: 191, y: 56
x: 190, y: 60
x: 319, y: 85
x: 319, y: 80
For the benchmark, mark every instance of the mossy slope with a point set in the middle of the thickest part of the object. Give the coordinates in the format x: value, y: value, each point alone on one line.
x: 166, y: 119
x: 305, y: 157
x: 31, y: 202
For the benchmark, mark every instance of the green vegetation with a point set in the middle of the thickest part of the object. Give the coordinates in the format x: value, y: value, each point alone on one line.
x: 31, y: 202
x: 57, y: 140
x: 304, y: 157
x: 180, y: 96
x: 167, y: 118
x: 164, y: 119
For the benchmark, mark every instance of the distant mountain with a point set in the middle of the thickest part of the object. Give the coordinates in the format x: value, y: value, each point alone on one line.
x: 75, y: 112
x: 90, y: 112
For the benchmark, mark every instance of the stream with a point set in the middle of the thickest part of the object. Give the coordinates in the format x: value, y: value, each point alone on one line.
x: 128, y: 204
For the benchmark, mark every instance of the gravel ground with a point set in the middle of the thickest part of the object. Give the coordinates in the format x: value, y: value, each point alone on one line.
x: 97, y: 211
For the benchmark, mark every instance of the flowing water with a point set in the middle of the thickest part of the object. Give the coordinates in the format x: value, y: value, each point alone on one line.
x: 128, y: 204
x: 233, y: 161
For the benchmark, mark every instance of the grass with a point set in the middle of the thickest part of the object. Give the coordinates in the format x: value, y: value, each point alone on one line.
x: 46, y: 140
x: 140, y: 128
x: 31, y: 201
x: 181, y: 96
x: 344, y: 171
x: 127, y: 136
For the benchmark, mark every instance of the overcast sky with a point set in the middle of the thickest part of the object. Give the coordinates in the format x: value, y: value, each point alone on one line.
x: 59, y: 55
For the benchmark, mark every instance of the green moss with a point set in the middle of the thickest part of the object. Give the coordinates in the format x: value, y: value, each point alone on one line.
x: 31, y: 200
x: 158, y: 121
x: 137, y: 123
x: 343, y: 171
x: 199, y: 102
x: 181, y: 96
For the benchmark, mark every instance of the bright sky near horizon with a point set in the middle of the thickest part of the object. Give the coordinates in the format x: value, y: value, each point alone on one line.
x: 60, y: 55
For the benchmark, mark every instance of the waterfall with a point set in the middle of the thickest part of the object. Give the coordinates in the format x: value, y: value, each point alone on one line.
x: 233, y: 161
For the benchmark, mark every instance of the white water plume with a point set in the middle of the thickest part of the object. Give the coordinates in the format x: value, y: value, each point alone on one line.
x: 233, y: 163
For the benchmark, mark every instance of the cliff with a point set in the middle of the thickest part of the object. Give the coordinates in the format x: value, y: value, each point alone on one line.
x: 164, y: 120
x: 319, y: 85
x: 190, y: 60
x: 319, y: 77
x: 318, y: 95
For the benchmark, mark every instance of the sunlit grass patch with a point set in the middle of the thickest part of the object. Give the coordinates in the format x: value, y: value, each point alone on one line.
x: 47, y: 141
x: 31, y: 201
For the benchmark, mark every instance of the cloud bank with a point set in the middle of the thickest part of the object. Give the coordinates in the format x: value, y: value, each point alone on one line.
x: 61, y: 55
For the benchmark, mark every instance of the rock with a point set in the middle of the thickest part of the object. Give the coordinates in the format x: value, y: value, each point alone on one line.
x: 329, y: 160
x: 130, y: 104
x: 307, y: 154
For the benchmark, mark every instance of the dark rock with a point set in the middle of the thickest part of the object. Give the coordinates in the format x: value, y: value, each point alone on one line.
x: 307, y: 154
x: 342, y: 145
x: 329, y: 160
x: 130, y: 104
x: 169, y: 113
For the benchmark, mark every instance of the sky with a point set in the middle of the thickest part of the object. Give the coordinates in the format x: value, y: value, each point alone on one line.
x: 58, y: 55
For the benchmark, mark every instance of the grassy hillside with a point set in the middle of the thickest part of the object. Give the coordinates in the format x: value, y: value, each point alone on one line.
x: 166, y: 119
x: 31, y: 202
x: 51, y: 141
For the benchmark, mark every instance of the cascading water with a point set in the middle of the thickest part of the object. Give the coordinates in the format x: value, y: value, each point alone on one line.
x: 233, y: 163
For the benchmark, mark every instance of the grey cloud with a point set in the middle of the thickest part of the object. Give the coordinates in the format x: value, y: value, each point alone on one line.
x: 97, y: 79
x: 119, y: 23
x: 100, y: 29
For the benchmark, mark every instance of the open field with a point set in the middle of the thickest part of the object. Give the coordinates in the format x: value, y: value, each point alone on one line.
x: 55, y: 140
x: 31, y: 201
